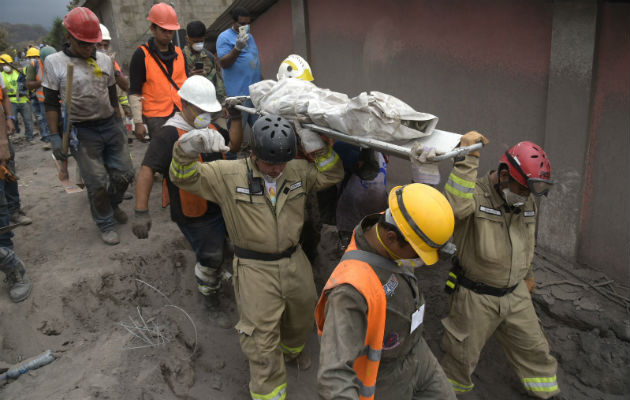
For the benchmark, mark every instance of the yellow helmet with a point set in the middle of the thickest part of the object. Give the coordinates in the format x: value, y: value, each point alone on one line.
x: 424, y: 217
x: 32, y: 52
x: 5, y: 58
x: 295, y: 66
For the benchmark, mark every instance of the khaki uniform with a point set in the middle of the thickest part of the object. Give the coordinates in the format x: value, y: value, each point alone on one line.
x: 408, y: 369
x: 495, y: 246
x: 276, y: 299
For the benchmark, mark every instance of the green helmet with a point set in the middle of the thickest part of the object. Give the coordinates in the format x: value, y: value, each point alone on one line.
x: 46, y: 51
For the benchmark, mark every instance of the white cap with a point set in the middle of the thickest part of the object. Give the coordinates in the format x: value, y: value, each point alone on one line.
x: 105, y: 33
x: 200, y: 92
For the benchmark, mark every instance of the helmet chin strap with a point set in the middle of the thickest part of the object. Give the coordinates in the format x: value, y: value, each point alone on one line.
x: 393, y: 255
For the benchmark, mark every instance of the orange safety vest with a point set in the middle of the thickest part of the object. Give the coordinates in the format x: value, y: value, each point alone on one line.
x: 39, y: 92
x: 192, y: 205
x: 158, y: 92
x: 362, y: 277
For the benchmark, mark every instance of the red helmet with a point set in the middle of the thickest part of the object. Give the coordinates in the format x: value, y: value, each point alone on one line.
x: 528, y: 164
x: 164, y: 16
x: 83, y: 25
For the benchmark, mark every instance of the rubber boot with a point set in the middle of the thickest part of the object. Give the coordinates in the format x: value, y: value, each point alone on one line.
x: 19, y: 283
x: 209, y: 285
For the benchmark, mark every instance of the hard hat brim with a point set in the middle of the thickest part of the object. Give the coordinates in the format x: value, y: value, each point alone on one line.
x: 168, y: 27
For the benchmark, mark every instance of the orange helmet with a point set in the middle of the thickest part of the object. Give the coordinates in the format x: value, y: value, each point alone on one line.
x: 164, y: 16
x: 83, y: 25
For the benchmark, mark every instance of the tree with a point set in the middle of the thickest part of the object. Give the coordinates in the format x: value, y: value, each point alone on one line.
x: 56, y: 37
x: 4, y: 39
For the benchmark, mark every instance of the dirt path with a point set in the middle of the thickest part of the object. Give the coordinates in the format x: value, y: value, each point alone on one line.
x: 84, y: 289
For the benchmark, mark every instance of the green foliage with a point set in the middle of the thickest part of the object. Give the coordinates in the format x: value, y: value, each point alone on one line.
x: 4, y: 40
x: 56, y: 37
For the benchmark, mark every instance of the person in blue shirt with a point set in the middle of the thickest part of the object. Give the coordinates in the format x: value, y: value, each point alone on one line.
x: 238, y: 55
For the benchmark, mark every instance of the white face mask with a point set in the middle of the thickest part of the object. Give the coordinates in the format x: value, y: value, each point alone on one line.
x: 197, y: 46
x: 202, y: 120
x: 513, y: 199
x: 410, y: 262
x: 270, y: 178
x: 6, y: 69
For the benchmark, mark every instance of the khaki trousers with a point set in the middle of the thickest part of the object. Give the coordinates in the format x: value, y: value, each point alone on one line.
x: 276, y: 302
x: 473, y: 318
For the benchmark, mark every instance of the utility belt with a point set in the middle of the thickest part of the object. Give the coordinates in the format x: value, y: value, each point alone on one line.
x: 255, y: 255
x: 456, y: 277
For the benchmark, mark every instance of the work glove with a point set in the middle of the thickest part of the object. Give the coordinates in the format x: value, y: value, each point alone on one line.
x: 311, y: 141
x: 241, y: 41
x: 141, y: 224
x: 55, y: 142
x: 471, y: 138
x: 204, y: 140
x: 230, y: 104
x: 423, y: 169
x: 368, y: 166
x: 531, y: 284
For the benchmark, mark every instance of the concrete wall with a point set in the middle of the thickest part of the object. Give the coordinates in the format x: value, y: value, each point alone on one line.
x: 553, y: 72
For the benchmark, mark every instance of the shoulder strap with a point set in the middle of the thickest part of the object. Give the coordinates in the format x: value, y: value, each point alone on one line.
x: 159, y: 63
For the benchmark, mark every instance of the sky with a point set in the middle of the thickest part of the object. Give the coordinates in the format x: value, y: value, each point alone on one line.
x: 41, y: 12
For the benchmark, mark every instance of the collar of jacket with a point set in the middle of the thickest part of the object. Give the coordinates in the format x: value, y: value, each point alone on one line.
x: 166, y: 56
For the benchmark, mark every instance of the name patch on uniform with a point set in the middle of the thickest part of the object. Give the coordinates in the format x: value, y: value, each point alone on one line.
x: 489, y: 210
x: 296, y: 185
x: 531, y: 213
x: 391, y: 285
x: 243, y: 190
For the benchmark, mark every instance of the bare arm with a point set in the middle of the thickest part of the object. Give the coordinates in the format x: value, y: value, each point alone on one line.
x: 123, y: 82
x: 230, y: 58
x: 236, y: 135
x: 144, y: 184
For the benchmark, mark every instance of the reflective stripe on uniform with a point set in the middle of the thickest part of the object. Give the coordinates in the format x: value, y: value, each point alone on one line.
x: 460, y: 387
x: 327, y: 161
x: 460, y: 187
x: 279, y: 393
x: 291, y: 350
x: 365, y: 391
x: 544, y: 384
x: 183, y: 171
x: 123, y: 100
x: 372, y: 355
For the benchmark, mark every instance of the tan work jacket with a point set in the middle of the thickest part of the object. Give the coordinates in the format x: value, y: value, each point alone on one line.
x: 251, y: 220
x: 495, y: 245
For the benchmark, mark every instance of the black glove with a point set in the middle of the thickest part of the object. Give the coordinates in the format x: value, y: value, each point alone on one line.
x: 55, y: 141
x: 141, y: 224
x: 234, y: 112
x: 367, y: 166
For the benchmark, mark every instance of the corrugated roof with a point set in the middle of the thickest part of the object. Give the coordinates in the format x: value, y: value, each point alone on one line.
x: 224, y: 21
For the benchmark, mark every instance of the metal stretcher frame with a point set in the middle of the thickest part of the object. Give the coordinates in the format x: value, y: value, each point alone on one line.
x: 387, y: 148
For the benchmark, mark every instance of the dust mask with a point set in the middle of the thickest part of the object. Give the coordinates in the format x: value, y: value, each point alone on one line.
x: 202, y: 120
x: 271, y: 179
x: 513, y: 199
x: 197, y: 46
x: 401, y: 262
x: 6, y: 69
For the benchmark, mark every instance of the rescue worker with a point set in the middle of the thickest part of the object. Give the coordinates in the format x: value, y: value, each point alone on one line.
x: 238, y: 55
x: 157, y: 71
x: 195, y: 53
x: 98, y: 141
x: 17, y: 280
x: 34, y: 73
x: 262, y: 199
x: 492, y: 276
x: 199, y: 220
x: 371, y: 310
x: 15, y: 81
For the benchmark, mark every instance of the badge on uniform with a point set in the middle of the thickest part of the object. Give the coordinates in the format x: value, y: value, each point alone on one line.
x: 391, y: 285
x: 416, y: 318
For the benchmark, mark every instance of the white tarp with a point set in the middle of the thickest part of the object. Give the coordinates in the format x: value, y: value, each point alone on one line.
x: 373, y: 114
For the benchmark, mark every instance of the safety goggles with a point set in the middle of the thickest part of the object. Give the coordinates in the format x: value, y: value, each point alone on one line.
x: 537, y: 186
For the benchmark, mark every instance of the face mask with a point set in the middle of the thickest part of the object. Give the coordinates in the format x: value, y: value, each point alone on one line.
x: 6, y: 69
x: 402, y: 262
x: 197, y: 46
x: 513, y: 199
x: 202, y: 120
x: 102, y: 51
x: 270, y: 178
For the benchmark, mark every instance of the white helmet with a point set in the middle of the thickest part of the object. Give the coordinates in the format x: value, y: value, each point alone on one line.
x: 295, y: 66
x: 105, y: 33
x: 200, y: 92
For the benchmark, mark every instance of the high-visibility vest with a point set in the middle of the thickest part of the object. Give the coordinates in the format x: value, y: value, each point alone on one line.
x: 39, y: 92
x: 192, y: 205
x: 362, y: 277
x: 159, y: 94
